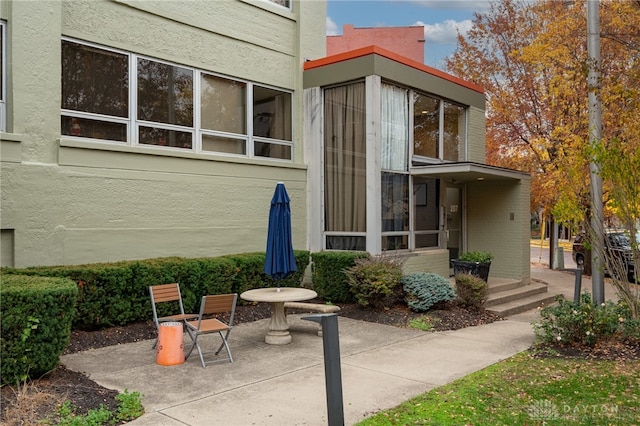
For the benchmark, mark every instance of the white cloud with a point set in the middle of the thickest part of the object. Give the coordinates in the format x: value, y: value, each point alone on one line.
x: 331, y: 27
x: 445, y: 32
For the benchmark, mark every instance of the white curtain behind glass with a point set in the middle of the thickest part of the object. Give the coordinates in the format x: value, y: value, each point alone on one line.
x: 395, y: 125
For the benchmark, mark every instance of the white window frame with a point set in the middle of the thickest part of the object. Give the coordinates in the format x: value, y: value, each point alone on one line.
x: 133, y: 94
x: 133, y: 123
x: 288, y: 5
x: 442, y: 101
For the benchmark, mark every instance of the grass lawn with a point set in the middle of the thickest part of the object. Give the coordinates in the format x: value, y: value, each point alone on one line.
x: 524, y: 390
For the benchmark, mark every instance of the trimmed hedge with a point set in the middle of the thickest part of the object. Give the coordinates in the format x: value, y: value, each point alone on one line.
x: 328, y: 274
x: 36, y: 321
x: 40, y: 305
x: 111, y: 294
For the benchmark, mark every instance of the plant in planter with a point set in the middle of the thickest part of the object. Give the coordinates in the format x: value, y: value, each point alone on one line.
x: 473, y: 262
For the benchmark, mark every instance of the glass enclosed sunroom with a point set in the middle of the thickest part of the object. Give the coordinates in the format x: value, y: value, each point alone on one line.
x: 396, y: 157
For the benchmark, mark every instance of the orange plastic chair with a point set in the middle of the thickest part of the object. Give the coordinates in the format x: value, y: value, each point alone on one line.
x: 165, y: 293
x: 211, y: 320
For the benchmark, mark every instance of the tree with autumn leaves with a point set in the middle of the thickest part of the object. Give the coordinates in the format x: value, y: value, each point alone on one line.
x: 531, y: 58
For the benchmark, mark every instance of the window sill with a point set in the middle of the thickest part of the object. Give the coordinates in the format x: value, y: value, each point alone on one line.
x: 11, y: 147
x: 166, y: 153
x: 11, y: 137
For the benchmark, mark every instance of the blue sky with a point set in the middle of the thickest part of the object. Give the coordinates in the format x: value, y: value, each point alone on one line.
x: 441, y: 20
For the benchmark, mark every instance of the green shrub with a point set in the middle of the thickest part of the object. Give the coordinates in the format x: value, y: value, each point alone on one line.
x: 476, y: 256
x: 472, y: 291
x: 425, y: 289
x: 36, y: 321
x: 375, y: 280
x: 329, y: 278
x: 585, y: 323
x: 117, y: 293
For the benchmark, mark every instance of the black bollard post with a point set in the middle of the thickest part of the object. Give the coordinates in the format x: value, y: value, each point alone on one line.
x: 332, y: 372
x: 578, y: 285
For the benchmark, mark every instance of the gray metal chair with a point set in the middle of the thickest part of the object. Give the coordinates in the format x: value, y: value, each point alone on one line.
x: 212, y: 309
x: 166, y: 293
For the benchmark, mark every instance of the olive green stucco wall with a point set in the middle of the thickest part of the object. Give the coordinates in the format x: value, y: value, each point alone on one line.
x: 67, y: 201
x: 498, y: 221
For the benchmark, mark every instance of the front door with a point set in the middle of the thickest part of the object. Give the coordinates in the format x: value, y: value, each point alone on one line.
x: 453, y: 215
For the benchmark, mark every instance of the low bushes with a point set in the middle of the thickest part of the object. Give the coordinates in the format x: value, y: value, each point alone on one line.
x: 425, y: 289
x: 472, y: 291
x: 375, y: 280
x: 36, y: 324
x: 584, y: 323
x: 117, y: 293
x: 41, y: 305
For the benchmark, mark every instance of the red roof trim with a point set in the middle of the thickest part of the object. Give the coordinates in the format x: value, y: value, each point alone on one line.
x: 375, y: 50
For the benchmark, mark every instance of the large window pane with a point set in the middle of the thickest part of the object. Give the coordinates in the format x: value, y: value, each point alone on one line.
x: 271, y: 113
x: 94, y: 80
x: 165, y: 93
x: 395, y: 128
x: 454, y: 131
x: 223, y: 104
x: 426, y: 119
x: 345, y: 159
x: 395, y: 202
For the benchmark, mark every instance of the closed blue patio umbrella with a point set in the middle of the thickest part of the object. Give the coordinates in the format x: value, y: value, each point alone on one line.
x: 279, y: 260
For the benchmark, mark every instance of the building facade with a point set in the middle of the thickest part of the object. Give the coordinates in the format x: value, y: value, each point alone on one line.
x: 134, y: 130
x: 143, y: 129
x: 404, y: 41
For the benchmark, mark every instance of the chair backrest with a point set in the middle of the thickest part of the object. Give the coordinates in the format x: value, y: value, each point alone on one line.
x: 165, y: 293
x: 219, y: 304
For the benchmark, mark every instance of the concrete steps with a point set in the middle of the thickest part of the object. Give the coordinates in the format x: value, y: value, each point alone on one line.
x: 509, y: 297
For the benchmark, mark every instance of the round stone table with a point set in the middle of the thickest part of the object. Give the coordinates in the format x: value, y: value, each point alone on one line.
x: 278, y: 330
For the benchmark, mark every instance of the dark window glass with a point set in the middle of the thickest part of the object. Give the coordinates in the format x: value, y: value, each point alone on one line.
x: 165, y: 93
x: 164, y: 137
x: 271, y: 113
x: 346, y: 243
x: 96, y: 129
x: 426, y: 122
x: 272, y: 150
x: 94, y: 80
x: 395, y: 202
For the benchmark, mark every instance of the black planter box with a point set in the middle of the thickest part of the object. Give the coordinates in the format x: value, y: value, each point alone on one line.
x: 474, y: 268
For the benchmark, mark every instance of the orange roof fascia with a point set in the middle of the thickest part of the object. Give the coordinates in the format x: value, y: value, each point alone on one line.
x: 376, y: 50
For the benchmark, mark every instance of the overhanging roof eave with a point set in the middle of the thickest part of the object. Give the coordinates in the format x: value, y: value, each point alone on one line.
x: 467, y: 171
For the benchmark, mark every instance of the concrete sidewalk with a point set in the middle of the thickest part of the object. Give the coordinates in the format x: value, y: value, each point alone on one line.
x: 382, y: 366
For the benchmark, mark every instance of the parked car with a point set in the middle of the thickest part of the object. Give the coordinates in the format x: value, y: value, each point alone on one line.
x: 617, y: 246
